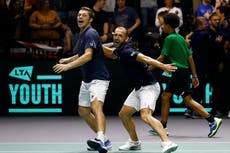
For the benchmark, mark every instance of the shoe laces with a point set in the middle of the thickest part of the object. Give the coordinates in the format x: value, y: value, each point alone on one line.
x: 212, y: 125
x: 101, y: 142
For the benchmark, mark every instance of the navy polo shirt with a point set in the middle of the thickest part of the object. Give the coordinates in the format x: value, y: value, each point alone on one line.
x: 137, y: 72
x: 96, y: 68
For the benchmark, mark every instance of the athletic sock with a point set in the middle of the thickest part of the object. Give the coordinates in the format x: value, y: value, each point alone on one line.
x: 101, y: 136
x: 164, y: 124
x: 210, y: 118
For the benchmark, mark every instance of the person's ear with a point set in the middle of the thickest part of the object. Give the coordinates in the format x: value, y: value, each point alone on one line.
x: 91, y: 20
x: 128, y: 39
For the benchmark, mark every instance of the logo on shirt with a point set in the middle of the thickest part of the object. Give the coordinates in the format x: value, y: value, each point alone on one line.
x: 132, y: 54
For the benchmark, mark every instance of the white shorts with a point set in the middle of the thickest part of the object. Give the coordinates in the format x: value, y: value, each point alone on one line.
x: 96, y: 89
x: 145, y: 97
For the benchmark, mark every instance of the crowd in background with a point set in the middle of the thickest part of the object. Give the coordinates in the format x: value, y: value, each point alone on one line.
x: 203, y: 23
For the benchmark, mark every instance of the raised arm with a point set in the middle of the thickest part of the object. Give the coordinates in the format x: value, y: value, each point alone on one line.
x: 108, y: 52
x: 152, y: 62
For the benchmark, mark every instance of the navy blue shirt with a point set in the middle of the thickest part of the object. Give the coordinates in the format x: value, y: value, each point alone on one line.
x: 96, y: 68
x: 138, y: 72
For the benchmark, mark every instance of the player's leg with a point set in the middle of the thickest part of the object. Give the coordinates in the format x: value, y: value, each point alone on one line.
x: 94, y: 93
x: 147, y: 106
x: 166, y: 144
x: 84, y: 109
x: 165, y: 105
x: 128, y: 109
x: 89, y: 118
x: 126, y: 117
x: 214, y: 123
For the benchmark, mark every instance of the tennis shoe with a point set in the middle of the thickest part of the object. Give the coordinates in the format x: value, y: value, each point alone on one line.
x: 168, y: 147
x: 108, y: 145
x: 153, y: 132
x: 98, y: 145
x: 130, y: 145
x: 214, y: 126
x: 228, y: 115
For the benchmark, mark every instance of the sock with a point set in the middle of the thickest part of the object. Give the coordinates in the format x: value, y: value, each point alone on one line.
x: 101, y: 136
x: 135, y: 142
x: 210, y: 118
x: 164, y: 124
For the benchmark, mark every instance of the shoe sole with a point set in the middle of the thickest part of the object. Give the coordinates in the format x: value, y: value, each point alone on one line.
x: 139, y: 148
x: 214, y: 133
x: 91, y: 149
x: 96, y: 146
x: 171, y: 149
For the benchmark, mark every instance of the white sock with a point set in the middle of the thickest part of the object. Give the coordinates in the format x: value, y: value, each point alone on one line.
x: 135, y: 142
x: 101, y: 136
x: 165, y: 142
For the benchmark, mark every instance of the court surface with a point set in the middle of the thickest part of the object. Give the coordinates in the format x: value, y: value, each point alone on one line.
x: 68, y: 134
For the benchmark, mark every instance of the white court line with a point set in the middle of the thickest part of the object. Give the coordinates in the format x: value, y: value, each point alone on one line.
x: 13, y: 143
x: 70, y: 147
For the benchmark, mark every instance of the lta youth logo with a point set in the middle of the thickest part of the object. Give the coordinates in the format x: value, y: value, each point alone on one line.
x: 34, y: 93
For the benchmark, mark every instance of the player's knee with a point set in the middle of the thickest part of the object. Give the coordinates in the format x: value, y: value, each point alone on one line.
x: 83, y: 111
x: 121, y: 114
x: 145, y: 117
x: 188, y: 101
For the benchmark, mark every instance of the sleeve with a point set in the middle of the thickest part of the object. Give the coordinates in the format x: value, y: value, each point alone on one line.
x: 91, y: 38
x: 130, y: 54
x: 134, y: 12
x: 198, y: 12
x: 157, y: 23
x: 180, y: 16
x: 165, y: 48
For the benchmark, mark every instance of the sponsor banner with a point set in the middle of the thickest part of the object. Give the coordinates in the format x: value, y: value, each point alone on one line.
x: 31, y: 87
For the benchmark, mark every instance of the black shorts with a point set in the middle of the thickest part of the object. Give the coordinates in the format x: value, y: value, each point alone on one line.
x: 180, y: 83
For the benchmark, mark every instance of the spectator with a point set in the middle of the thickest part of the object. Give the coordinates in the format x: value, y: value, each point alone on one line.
x: 101, y: 21
x: 125, y: 16
x: 44, y: 24
x: 60, y: 7
x: 17, y: 15
x: 67, y: 40
x: 160, y: 41
x: 6, y: 29
x: 205, y: 9
x: 215, y: 57
x: 199, y: 45
x: 222, y: 12
x: 171, y: 9
x: 148, y: 12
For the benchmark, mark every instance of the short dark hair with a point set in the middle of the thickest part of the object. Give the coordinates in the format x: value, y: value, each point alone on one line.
x: 172, y: 19
x: 91, y: 12
x: 223, y: 9
x: 163, y: 13
x: 212, y: 15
